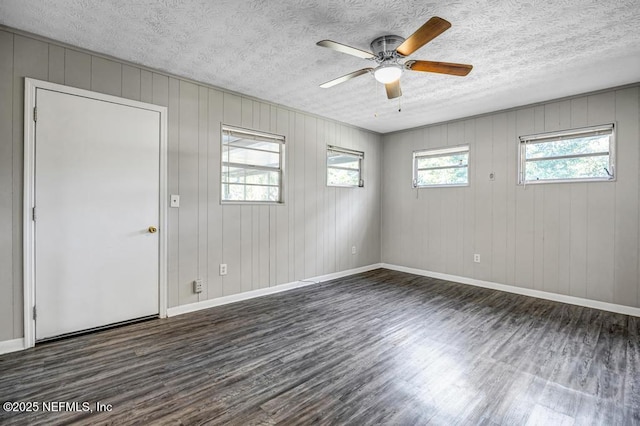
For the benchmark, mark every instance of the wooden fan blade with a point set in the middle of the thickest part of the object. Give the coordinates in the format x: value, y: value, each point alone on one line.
x: 338, y: 47
x: 344, y: 78
x: 393, y: 89
x: 439, y: 67
x: 427, y: 32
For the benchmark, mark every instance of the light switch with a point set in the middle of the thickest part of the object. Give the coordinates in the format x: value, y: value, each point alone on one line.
x: 175, y: 200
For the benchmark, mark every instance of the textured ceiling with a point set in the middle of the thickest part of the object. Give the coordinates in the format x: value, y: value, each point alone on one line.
x: 522, y: 51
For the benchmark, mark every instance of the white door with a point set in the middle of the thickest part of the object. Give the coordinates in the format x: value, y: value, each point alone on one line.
x: 97, y: 168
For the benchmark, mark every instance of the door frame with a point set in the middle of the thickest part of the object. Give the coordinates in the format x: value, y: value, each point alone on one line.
x: 28, y: 238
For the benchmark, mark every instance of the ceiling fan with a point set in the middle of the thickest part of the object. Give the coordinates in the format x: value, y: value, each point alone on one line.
x: 389, y: 52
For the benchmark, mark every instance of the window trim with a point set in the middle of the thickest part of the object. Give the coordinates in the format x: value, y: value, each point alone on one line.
x: 256, y: 135
x: 353, y: 152
x: 440, y: 152
x: 523, y: 141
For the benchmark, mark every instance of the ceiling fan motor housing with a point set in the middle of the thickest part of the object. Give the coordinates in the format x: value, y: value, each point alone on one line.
x: 385, y: 47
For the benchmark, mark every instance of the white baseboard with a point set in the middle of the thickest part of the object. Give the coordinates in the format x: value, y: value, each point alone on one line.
x: 205, y: 304
x: 572, y: 300
x: 11, y: 346
x: 15, y: 345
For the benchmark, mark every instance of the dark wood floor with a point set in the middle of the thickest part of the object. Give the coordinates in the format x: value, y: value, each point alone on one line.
x: 381, y: 347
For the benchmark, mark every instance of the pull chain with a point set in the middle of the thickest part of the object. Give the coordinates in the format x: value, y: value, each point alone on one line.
x: 375, y: 112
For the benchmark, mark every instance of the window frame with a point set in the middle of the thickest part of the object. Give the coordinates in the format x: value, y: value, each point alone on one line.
x: 352, y: 152
x: 256, y: 135
x: 439, y: 152
x: 548, y: 137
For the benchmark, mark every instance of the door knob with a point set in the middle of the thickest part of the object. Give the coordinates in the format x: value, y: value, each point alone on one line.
x: 153, y: 229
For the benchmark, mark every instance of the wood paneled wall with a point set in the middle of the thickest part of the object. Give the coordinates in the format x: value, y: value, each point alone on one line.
x: 310, y: 235
x: 578, y: 239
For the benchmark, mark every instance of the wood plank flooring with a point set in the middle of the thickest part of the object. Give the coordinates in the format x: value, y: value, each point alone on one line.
x: 382, y: 347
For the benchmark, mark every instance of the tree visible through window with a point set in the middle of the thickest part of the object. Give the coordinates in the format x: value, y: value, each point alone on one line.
x: 573, y: 155
x: 441, y: 167
x: 344, y: 167
x: 251, y: 166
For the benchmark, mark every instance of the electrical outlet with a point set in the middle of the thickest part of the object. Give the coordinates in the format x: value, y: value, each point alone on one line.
x: 197, y: 286
x: 353, y: 250
x: 476, y: 258
x: 223, y: 269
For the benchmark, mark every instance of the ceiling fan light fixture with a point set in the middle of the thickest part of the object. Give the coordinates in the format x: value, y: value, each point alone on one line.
x: 388, y: 73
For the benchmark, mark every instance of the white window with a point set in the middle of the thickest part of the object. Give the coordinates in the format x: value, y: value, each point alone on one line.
x: 252, y: 166
x: 344, y: 167
x: 586, y: 154
x: 441, y: 167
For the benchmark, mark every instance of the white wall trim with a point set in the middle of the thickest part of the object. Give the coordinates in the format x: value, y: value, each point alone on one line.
x: 205, y: 304
x: 572, y: 300
x: 11, y: 346
x: 30, y: 86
